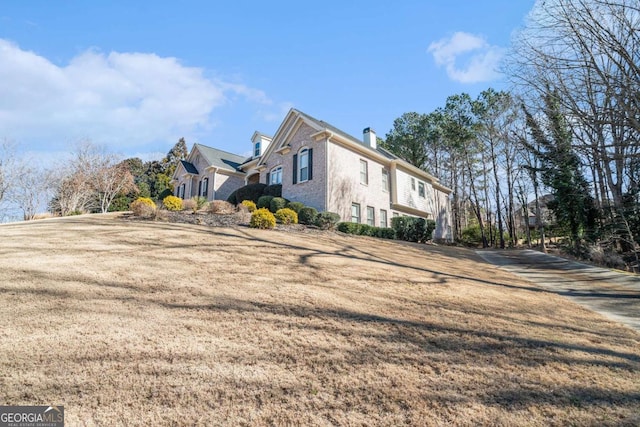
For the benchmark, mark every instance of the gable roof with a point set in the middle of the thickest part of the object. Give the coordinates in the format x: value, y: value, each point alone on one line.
x: 220, y: 159
x: 189, y: 167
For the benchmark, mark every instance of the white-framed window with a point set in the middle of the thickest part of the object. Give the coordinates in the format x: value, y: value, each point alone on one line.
x: 421, y: 189
x: 182, y: 190
x: 303, y: 165
x: 383, y: 218
x: 364, y: 172
x: 276, y: 176
x: 256, y: 149
x: 355, y: 212
x: 205, y: 187
x: 371, y: 216
x: 385, y: 180
x: 413, y: 184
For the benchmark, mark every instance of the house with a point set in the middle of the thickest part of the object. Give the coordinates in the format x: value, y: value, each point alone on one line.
x: 326, y: 168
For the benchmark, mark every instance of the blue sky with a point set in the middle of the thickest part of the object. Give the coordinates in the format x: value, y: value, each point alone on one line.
x: 136, y: 76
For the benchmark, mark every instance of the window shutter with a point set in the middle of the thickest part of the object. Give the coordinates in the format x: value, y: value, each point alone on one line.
x: 295, y: 168
x: 268, y: 177
x: 310, y: 164
x: 199, y: 188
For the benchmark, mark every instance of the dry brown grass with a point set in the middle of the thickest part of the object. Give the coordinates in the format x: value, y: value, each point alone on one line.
x: 129, y: 323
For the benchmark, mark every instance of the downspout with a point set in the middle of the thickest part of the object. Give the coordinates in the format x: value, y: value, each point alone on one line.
x: 392, y: 184
x: 213, y: 183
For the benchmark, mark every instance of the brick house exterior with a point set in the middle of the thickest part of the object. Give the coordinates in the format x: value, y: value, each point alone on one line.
x: 323, y: 167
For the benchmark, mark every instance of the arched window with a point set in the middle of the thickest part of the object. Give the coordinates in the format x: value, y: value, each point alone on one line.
x: 275, y: 176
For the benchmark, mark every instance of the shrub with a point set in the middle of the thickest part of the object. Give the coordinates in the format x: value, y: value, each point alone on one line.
x: 119, y: 204
x: 274, y: 190
x: 327, y: 220
x: 249, y: 204
x: 307, y: 215
x: 348, y: 227
x: 165, y: 193
x: 295, y: 206
x: 250, y: 192
x: 143, y: 207
x: 286, y: 216
x: 264, y: 202
x: 385, y: 233
x: 200, y: 202
x: 262, y: 218
x: 189, y: 204
x: 232, y: 198
x: 221, y: 207
x: 366, y: 230
x: 412, y: 229
x: 277, y: 203
x: 172, y: 203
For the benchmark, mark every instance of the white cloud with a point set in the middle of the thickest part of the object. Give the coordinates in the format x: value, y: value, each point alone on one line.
x: 467, y: 58
x: 119, y: 99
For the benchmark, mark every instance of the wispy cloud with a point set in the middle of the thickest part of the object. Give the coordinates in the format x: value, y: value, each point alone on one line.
x: 467, y: 58
x: 119, y: 99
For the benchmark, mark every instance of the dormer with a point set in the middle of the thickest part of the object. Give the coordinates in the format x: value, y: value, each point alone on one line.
x: 260, y: 143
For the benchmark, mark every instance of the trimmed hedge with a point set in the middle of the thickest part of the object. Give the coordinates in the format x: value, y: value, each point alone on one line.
x: 286, y: 216
x: 327, y: 220
x: 413, y: 229
x: 274, y: 190
x: 366, y: 230
x: 172, y: 203
x: 278, y: 203
x: 295, y: 206
x: 264, y: 202
x: 262, y: 218
x: 307, y: 215
x: 165, y: 193
x: 249, y: 192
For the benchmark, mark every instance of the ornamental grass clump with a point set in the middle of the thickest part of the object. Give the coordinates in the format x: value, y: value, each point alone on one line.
x: 143, y: 207
x: 262, y: 218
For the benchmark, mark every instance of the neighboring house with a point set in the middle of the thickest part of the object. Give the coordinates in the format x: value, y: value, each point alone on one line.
x: 324, y: 167
x: 546, y: 215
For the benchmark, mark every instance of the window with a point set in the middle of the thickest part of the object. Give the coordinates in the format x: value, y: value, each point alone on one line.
x: 385, y: 180
x: 355, y: 212
x: 371, y: 216
x: 256, y: 149
x: 181, y: 191
x: 413, y: 184
x: 303, y: 159
x: 364, y: 172
x: 421, y: 189
x: 205, y: 187
x: 276, y: 176
x: 383, y: 218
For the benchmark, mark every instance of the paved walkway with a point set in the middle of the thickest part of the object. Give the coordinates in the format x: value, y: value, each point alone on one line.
x: 612, y: 293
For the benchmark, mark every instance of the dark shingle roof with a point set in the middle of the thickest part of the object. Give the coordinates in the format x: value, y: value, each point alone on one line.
x: 221, y: 159
x: 189, y: 167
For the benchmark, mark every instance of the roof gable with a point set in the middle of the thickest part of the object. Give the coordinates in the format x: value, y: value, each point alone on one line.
x: 218, y: 158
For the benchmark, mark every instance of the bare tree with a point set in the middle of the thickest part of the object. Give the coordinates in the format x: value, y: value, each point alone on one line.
x: 31, y: 190
x: 112, y: 180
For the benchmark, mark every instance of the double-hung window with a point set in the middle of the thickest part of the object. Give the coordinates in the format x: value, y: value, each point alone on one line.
x: 385, y: 180
x: 205, y: 187
x: 383, y: 218
x: 256, y: 149
x: 303, y: 161
x: 364, y: 172
x: 371, y: 216
x: 355, y: 212
x: 421, y: 189
x: 276, y: 176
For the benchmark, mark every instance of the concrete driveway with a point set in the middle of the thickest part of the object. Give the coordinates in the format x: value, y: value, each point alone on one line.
x: 612, y: 293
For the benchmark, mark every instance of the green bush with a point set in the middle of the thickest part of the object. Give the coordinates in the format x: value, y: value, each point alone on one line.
x: 277, y: 203
x: 262, y: 218
x: 307, y: 215
x: 200, y: 202
x: 295, y: 206
x: 286, y: 216
x: 172, y: 203
x: 412, y: 229
x: 327, y: 220
x: 250, y: 192
x: 348, y: 227
x: 264, y: 202
x: 143, y: 207
x: 366, y: 230
x: 251, y: 206
x: 120, y: 203
x: 165, y: 193
x: 274, y: 190
x: 232, y: 198
x: 385, y: 233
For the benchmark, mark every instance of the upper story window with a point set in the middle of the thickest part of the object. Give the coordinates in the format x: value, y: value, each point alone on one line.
x: 421, y: 189
x: 303, y: 165
x: 413, y: 184
x: 275, y: 177
x: 256, y: 149
x: 364, y: 172
x: 385, y: 180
